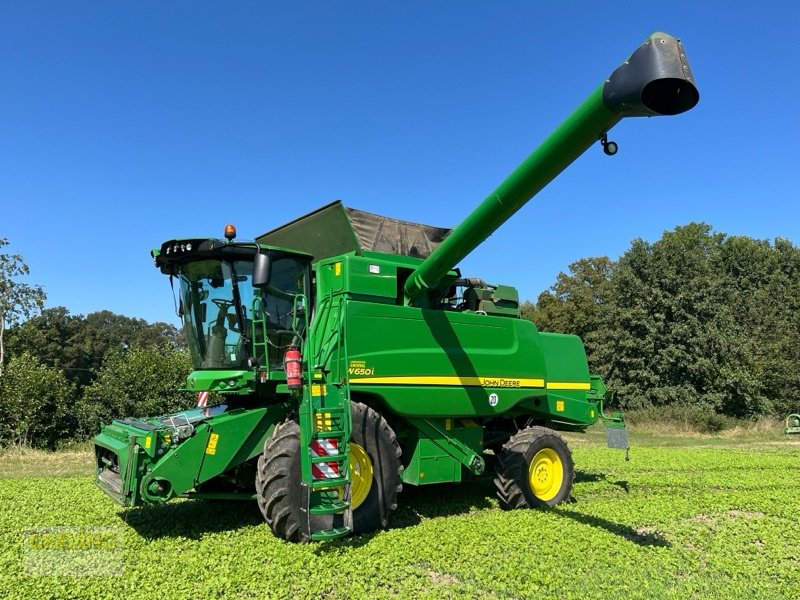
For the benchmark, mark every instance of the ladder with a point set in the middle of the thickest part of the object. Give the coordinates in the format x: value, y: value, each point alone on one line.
x: 325, y: 423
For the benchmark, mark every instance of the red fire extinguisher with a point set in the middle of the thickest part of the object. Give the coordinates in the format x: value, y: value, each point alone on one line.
x: 293, y: 365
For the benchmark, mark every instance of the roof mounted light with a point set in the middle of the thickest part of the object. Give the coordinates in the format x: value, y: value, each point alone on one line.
x: 230, y: 232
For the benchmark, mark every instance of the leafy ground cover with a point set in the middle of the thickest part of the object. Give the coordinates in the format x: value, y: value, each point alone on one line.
x: 687, y: 517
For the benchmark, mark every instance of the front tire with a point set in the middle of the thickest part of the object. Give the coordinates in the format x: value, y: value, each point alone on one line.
x: 534, y: 468
x: 278, y: 479
x: 376, y: 450
x: 375, y: 471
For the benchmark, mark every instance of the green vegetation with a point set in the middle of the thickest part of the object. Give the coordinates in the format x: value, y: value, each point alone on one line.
x: 18, y: 300
x: 691, y: 517
x: 63, y: 375
x: 698, y: 328
x: 78, y: 344
x: 697, y: 318
x: 41, y: 407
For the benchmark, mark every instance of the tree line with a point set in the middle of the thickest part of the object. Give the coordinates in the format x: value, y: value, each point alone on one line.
x: 62, y: 376
x: 698, y: 318
x: 67, y: 374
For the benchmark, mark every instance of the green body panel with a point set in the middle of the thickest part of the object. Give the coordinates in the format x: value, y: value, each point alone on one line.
x: 430, y: 457
x: 503, y: 300
x: 449, y: 362
x: 435, y: 363
x: 227, y: 381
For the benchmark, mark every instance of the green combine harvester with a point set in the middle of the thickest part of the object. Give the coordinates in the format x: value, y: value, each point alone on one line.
x: 352, y: 357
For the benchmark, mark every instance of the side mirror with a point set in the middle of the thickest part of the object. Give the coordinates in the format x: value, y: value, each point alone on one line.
x: 299, y: 313
x: 262, y: 270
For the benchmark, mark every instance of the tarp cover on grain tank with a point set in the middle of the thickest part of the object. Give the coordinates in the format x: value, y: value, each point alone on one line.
x: 335, y: 229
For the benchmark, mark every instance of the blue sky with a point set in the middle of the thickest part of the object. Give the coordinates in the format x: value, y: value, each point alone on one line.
x: 124, y: 124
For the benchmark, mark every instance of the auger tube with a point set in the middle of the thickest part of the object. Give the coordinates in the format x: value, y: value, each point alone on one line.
x: 655, y: 80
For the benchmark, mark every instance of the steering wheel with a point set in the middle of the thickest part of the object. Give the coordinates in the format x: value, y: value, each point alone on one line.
x: 223, y: 306
x: 222, y: 303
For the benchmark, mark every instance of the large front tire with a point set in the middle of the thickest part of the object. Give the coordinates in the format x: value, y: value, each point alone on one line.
x: 278, y: 479
x: 374, y: 448
x: 375, y: 470
x: 534, y: 468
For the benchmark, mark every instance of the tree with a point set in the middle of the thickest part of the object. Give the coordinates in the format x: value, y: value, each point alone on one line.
x: 575, y: 302
x: 139, y: 381
x: 18, y: 300
x: 696, y: 318
x: 78, y: 344
x: 35, y: 404
x: 667, y: 325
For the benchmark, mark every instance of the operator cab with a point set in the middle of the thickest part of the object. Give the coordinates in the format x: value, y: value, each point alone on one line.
x: 241, y: 304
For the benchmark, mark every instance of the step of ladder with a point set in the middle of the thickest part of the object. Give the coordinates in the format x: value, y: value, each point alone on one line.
x: 329, y: 534
x: 328, y: 458
x: 331, y: 508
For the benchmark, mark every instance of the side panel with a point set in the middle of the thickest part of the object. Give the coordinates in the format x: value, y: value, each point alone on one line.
x: 427, y: 460
x: 435, y: 363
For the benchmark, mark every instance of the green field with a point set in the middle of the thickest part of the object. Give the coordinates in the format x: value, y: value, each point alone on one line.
x: 687, y: 517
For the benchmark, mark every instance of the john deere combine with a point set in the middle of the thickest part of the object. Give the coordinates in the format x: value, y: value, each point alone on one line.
x: 353, y: 357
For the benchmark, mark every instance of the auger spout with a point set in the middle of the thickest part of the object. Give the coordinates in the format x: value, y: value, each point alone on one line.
x: 656, y: 80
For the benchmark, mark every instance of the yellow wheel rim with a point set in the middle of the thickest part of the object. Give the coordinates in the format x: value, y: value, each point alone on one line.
x: 360, y: 475
x: 546, y: 474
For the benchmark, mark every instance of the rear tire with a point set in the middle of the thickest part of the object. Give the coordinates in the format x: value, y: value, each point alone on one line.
x: 534, y: 468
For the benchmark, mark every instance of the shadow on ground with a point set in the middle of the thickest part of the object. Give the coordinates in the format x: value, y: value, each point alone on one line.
x: 192, y: 518
x: 642, y: 536
x: 584, y: 477
x: 195, y: 518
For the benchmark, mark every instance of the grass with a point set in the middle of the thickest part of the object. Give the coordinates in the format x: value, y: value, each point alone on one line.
x: 687, y: 517
x: 26, y: 462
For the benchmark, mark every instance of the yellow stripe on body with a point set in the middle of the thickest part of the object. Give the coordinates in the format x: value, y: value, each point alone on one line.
x: 568, y: 385
x: 501, y: 382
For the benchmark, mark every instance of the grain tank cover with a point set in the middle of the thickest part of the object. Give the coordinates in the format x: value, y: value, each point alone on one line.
x: 336, y: 229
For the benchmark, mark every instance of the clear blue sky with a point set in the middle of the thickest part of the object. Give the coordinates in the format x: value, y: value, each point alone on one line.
x: 123, y: 124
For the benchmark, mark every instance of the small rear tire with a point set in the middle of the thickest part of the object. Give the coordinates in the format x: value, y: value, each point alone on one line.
x: 534, y: 468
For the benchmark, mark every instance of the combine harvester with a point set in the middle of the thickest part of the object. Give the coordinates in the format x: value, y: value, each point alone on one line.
x: 353, y: 357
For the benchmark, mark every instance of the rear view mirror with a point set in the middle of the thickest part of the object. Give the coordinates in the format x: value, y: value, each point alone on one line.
x: 262, y: 270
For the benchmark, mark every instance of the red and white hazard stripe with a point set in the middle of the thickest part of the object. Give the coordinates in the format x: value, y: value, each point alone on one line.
x: 325, y: 470
x: 324, y: 447
x: 202, y: 399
